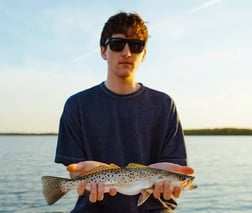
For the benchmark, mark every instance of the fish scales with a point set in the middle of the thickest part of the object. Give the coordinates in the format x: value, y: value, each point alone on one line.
x: 130, y: 180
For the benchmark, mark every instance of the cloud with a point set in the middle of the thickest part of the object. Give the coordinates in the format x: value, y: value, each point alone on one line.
x: 69, y: 21
x: 176, y: 26
x: 77, y: 59
x: 204, y: 6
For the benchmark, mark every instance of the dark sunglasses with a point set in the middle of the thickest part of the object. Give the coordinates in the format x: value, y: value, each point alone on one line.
x: 118, y: 44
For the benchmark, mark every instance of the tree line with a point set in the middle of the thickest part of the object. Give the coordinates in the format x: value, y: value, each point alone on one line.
x: 218, y: 131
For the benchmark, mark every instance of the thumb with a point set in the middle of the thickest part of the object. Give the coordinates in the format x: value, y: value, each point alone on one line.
x: 173, y: 167
x: 75, y: 167
x: 180, y: 169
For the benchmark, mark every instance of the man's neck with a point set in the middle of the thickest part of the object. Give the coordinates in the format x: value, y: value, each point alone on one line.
x: 123, y: 86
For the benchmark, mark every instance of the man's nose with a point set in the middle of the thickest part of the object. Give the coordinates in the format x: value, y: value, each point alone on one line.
x: 126, y: 51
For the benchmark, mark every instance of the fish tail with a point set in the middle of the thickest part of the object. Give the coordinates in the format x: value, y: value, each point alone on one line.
x: 54, y: 188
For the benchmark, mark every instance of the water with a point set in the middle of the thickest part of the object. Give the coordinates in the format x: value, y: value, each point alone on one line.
x: 223, y: 167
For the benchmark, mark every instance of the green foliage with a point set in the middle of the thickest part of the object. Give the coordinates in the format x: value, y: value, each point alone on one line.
x: 218, y: 131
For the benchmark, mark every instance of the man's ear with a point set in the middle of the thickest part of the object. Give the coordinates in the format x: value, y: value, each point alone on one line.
x: 103, y: 53
x: 144, y: 54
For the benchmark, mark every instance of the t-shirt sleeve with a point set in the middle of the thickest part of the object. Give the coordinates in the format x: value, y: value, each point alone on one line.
x: 69, y: 145
x: 174, y: 149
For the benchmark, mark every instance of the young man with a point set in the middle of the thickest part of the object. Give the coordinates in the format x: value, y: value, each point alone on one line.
x: 121, y: 121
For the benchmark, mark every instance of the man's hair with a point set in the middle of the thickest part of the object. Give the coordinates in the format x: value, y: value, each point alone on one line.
x: 129, y: 24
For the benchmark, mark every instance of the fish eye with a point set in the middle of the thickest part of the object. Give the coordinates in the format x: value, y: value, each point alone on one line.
x: 182, y: 177
x: 160, y: 177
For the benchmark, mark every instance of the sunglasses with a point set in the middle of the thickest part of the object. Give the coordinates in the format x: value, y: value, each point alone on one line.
x: 118, y: 44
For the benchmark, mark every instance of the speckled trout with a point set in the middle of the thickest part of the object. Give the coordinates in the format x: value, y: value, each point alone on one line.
x: 131, y: 180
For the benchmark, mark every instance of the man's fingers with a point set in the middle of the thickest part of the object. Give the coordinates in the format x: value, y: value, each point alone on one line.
x: 157, y: 190
x: 96, y: 192
x: 166, y: 190
x: 112, y: 191
x: 93, y: 193
x: 176, y: 191
x: 81, y: 188
x: 100, y: 191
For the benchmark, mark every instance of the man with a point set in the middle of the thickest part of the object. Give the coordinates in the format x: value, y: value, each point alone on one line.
x: 121, y: 121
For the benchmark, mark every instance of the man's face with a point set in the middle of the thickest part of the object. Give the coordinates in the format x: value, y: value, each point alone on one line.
x: 124, y: 63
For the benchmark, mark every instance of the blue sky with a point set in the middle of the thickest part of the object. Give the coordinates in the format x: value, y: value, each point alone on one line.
x: 199, y: 52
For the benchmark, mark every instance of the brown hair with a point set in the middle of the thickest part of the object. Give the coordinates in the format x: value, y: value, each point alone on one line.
x: 126, y: 23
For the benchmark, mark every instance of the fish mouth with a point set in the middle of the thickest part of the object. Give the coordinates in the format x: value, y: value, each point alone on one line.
x: 187, y: 184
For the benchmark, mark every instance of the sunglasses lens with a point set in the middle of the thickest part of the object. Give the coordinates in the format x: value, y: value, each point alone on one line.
x: 136, y: 46
x: 117, y: 44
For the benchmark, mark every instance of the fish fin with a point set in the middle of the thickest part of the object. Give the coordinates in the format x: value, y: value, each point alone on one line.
x: 100, y: 169
x: 52, y: 188
x: 190, y: 187
x: 113, y: 166
x: 136, y: 165
x: 145, y: 194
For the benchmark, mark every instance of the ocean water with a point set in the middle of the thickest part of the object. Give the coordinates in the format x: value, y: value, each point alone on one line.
x: 223, y: 170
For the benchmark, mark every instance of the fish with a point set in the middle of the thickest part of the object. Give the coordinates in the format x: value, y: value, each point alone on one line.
x: 130, y: 180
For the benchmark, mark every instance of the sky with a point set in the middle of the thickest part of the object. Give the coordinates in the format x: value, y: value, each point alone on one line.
x: 199, y: 52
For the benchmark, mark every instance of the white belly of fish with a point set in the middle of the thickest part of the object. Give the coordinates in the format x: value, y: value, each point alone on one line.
x: 126, y: 188
x: 131, y: 189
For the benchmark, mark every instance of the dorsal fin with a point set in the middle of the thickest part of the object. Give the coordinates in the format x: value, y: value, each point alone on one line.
x: 113, y: 166
x: 136, y: 165
x: 100, y: 169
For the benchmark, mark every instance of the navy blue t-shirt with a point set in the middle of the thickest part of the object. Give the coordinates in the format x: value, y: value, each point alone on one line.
x: 142, y: 127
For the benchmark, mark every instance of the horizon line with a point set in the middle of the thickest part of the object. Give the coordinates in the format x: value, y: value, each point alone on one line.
x: 187, y: 131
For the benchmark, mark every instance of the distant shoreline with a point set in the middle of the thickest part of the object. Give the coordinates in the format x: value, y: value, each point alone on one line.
x: 219, y: 131
x: 213, y: 131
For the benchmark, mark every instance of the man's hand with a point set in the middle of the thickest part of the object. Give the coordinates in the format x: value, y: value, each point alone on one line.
x: 164, y: 187
x: 96, y: 189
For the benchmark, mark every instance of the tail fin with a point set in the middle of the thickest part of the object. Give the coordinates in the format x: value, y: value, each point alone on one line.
x: 54, y: 188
